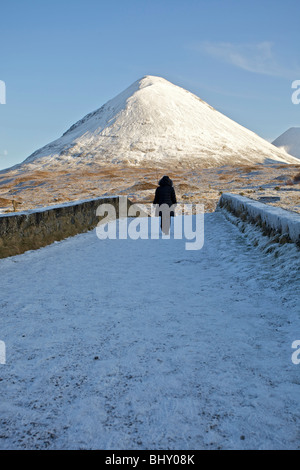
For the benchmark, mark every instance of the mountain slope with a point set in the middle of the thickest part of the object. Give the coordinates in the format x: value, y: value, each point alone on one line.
x: 289, y: 141
x: 154, y: 122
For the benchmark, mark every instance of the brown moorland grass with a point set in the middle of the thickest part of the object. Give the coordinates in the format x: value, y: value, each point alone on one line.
x: 60, y: 186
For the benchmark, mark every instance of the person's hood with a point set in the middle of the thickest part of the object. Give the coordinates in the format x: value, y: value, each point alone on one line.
x: 165, y: 181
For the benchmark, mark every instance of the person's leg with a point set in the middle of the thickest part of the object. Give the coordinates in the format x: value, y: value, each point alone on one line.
x: 165, y: 224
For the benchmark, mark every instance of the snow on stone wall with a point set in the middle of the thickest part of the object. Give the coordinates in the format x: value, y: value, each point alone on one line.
x: 274, y: 221
x: 33, y: 229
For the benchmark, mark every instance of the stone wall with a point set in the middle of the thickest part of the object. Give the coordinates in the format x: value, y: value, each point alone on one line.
x: 280, y: 224
x: 22, y: 231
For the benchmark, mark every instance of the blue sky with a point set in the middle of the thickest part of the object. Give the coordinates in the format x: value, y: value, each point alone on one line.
x: 63, y: 59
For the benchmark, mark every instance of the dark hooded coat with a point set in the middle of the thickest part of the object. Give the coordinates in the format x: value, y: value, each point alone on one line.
x: 165, y: 193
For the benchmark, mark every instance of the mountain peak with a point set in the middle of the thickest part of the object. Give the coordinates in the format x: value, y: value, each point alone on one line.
x: 154, y: 122
x: 154, y: 79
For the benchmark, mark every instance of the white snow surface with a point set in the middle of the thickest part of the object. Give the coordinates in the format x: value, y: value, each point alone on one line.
x: 281, y: 220
x: 156, y: 122
x: 140, y: 344
x: 289, y: 141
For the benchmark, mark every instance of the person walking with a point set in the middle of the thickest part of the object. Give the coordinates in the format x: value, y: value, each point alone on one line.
x: 165, y: 196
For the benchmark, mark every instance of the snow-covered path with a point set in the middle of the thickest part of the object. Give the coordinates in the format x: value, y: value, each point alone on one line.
x: 123, y: 344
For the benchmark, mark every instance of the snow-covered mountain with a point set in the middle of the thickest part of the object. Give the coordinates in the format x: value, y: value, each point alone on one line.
x: 154, y: 122
x: 289, y: 141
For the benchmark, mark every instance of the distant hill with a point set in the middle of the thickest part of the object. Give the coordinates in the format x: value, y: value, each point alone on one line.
x: 289, y: 141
